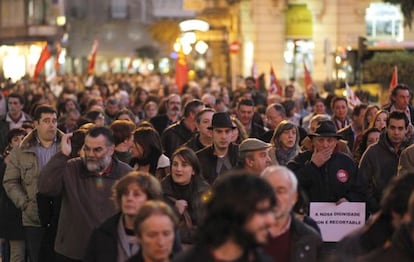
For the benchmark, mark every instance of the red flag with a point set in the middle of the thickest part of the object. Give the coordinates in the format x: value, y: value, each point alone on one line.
x: 181, y: 71
x: 352, y: 99
x: 255, y: 75
x: 275, y: 86
x: 307, y: 76
x: 92, y: 57
x: 44, y: 56
x: 394, y: 79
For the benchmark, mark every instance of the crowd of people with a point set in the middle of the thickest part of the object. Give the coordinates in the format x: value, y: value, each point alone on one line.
x: 127, y: 168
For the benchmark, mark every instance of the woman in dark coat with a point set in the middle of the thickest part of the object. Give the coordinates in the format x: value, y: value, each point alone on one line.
x: 11, y: 227
x: 115, y: 240
x: 183, y: 190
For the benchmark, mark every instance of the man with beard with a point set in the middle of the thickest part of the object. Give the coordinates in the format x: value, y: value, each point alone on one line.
x: 290, y: 238
x: 222, y: 155
x: 179, y: 133
x: 22, y: 173
x: 85, y: 186
x: 173, y: 107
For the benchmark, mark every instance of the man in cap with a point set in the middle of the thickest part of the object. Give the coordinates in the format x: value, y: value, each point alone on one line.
x: 324, y: 174
x: 254, y: 155
x: 222, y: 154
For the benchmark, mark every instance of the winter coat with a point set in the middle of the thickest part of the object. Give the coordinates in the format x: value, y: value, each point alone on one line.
x: 21, y: 178
x: 86, y: 199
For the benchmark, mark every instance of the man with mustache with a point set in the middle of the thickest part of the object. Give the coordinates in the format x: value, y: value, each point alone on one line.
x: 85, y: 186
x: 172, y: 115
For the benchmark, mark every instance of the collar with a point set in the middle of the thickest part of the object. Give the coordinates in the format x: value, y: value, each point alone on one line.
x: 10, y: 119
x: 107, y: 170
x: 283, y: 229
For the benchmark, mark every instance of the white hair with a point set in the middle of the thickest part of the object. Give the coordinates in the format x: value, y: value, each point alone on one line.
x: 281, y: 171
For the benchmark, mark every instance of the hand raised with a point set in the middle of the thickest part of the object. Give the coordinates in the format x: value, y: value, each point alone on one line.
x: 181, y: 206
x: 65, y: 144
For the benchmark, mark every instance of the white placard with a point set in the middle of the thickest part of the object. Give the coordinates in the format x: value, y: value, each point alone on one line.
x: 336, y: 221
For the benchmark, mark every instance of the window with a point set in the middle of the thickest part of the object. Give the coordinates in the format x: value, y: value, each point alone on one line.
x: 119, y: 9
x: 384, y: 21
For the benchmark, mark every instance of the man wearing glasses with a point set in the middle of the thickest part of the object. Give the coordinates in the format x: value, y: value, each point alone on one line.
x: 85, y: 186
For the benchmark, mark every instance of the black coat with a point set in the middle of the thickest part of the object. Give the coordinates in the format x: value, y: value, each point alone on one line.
x: 160, y: 123
x: 208, y: 161
x: 103, y: 243
x: 401, y: 248
x: 348, y: 135
x: 197, y: 188
x: 11, y: 226
x: 373, y: 235
x: 337, y: 178
x: 175, y: 136
x: 200, y: 253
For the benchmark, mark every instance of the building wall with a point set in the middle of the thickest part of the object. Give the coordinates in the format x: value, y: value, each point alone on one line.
x: 335, y: 23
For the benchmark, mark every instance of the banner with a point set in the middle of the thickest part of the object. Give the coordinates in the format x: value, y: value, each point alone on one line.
x: 336, y: 221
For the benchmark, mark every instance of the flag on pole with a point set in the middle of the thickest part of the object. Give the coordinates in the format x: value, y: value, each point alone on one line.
x: 181, y: 71
x: 44, y: 56
x: 352, y: 99
x: 307, y: 76
x: 92, y: 57
x: 394, y: 79
x: 255, y: 75
x: 275, y: 86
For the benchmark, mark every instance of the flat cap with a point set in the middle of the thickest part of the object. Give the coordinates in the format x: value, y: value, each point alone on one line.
x: 253, y: 144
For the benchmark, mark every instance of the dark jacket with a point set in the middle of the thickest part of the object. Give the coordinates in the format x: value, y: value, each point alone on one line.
x: 347, y: 134
x: 197, y: 188
x: 379, y: 165
x: 86, y: 199
x: 175, y: 136
x: 305, y: 244
x: 103, y: 243
x: 401, y: 248
x: 256, y: 130
x: 194, y: 143
x: 11, y: 226
x: 337, y: 178
x: 160, y: 123
x: 208, y: 161
x: 202, y: 254
x: 371, y: 236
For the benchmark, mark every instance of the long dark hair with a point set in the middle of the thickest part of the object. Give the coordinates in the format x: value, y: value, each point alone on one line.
x: 232, y: 201
x: 150, y: 140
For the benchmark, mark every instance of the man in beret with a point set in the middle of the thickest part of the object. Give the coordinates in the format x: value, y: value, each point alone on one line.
x: 254, y: 155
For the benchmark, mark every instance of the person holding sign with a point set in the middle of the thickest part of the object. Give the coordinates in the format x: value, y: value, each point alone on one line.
x: 326, y: 175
